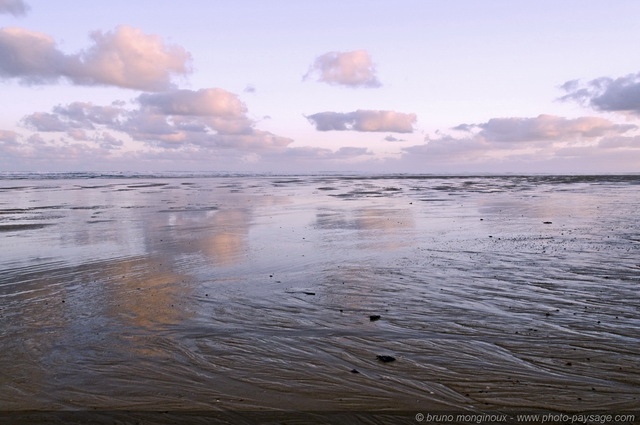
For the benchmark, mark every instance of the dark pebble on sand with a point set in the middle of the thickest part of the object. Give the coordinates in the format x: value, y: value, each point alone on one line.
x: 309, y: 293
x: 547, y: 222
x: 374, y: 317
x: 354, y: 371
x: 386, y: 359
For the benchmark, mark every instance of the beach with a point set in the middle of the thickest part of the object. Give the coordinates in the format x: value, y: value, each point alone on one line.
x: 261, y: 293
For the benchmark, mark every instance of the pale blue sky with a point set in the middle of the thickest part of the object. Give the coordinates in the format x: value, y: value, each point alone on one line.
x: 445, y: 62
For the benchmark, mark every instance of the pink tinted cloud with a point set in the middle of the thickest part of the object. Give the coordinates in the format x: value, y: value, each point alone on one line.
x: 206, y: 119
x: 364, y: 120
x: 128, y: 58
x: 545, y: 128
x: 216, y: 108
x: 540, y: 138
x: 124, y: 57
x: 8, y: 136
x: 204, y: 102
x: 352, y: 69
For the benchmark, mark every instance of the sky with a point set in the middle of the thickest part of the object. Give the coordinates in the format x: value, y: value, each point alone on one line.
x: 283, y: 86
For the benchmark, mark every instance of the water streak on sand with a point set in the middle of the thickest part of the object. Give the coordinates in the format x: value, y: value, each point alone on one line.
x: 249, y: 292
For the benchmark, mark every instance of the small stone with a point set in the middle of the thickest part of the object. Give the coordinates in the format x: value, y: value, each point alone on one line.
x: 386, y: 359
x: 547, y: 222
x: 354, y: 371
x: 374, y: 317
x: 309, y: 293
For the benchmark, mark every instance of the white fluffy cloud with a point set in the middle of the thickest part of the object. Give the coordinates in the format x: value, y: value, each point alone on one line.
x: 14, y: 7
x: 364, y: 120
x: 607, y: 94
x: 352, y: 69
x: 125, y: 58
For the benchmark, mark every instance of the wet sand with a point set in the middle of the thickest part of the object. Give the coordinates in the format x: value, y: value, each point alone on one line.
x: 255, y: 294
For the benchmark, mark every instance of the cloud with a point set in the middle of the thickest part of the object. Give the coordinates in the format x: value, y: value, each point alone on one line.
x: 44, y: 121
x: 8, y: 137
x: 632, y: 142
x: 221, y: 110
x: 128, y: 58
x: 86, y: 114
x: 606, y: 94
x: 544, y: 128
x: 347, y: 151
x: 76, y: 115
x: 125, y: 58
x: 108, y: 141
x: 351, y: 69
x: 256, y: 141
x: 14, y: 7
x: 312, y: 153
x: 531, y: 140
x: 391, y: 138
x: 77, y: 134
x: 467, y: 149
x: 364, y: 120
x: 206, y: 119
x: 103, y: 139
x: 31, y: 56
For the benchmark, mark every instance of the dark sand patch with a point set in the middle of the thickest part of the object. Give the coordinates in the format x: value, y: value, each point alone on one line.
x: 19, y: 227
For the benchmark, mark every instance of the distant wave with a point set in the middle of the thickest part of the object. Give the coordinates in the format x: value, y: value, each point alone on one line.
x: 38, y: 175
x: 531, y: 178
